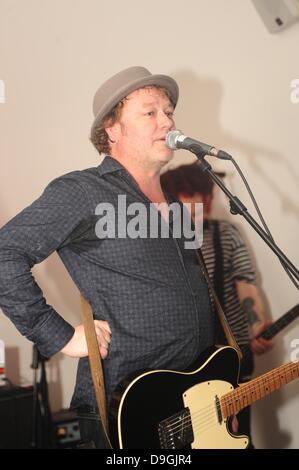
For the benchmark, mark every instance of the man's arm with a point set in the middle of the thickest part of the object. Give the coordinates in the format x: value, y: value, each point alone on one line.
x: 27, y: 239
x: 253, y: 307
x: 248, y: 294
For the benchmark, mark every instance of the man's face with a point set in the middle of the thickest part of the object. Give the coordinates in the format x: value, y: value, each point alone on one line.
x: 146, y: 117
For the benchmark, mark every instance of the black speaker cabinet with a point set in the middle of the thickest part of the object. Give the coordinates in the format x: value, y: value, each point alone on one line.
x: 15, y: 417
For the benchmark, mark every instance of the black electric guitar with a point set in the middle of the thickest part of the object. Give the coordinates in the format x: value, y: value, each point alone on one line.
x: 175, y: 410
x: 274, y: 329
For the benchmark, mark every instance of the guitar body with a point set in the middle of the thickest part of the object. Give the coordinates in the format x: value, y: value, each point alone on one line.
x: 170, y: 409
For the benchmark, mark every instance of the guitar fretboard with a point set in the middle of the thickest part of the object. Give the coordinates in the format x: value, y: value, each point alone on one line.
x: 258, y: 388
x: 272, y: 330
x: 281, y: 323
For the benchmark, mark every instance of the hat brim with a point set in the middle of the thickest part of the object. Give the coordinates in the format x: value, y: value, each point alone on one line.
x: 153, y: 80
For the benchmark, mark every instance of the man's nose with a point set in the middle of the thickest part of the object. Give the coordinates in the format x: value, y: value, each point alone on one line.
x: 165, y: 121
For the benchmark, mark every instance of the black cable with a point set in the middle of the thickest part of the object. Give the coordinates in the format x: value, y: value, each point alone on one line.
x: 261, y: 217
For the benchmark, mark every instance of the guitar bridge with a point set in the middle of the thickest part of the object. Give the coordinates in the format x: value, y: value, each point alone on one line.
x: 176, y: 431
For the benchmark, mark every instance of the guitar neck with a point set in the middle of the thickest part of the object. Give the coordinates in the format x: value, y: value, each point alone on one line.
x: 281, y: 323
x: 258, y: 388
x: 275, y: 328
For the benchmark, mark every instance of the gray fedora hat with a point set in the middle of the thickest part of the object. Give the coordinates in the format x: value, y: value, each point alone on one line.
x: 122, y: 84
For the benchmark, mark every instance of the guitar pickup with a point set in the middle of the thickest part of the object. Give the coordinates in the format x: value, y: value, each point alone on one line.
x: 176, y: 431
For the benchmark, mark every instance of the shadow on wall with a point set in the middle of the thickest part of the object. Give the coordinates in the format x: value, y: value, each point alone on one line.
x: 55, y: 382
x: 59, y: 288
x: 12, y: 364
x: 199, y: 112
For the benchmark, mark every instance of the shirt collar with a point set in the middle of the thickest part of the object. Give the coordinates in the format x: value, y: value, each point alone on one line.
x: 109, y: 165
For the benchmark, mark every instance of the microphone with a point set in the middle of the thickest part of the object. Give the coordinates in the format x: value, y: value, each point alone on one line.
x: 177, y: 140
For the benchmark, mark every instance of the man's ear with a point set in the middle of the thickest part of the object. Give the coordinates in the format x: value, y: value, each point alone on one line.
x: 113, y: 133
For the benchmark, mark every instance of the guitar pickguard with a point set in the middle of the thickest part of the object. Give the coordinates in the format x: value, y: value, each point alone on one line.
x: 209, y: 429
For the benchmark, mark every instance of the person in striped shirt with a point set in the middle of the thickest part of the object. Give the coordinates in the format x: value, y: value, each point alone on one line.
x: 230, y: 268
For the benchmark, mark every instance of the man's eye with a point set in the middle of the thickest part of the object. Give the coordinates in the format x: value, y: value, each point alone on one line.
x: 170, y: 114
x: 150, y: 113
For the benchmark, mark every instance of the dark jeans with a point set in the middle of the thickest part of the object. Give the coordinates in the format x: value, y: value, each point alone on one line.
x: 91, y: 430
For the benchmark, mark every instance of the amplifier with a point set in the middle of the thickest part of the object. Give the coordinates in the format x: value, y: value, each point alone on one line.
x: 66, y: 429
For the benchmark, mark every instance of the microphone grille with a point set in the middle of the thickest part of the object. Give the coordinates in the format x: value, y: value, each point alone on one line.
x: 171, y: 139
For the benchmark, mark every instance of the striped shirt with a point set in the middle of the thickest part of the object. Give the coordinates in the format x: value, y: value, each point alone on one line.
x: 236, y: 265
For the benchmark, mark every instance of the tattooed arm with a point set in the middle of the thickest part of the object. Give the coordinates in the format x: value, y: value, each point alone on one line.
x: 251, y: 303
x: 253, y: 306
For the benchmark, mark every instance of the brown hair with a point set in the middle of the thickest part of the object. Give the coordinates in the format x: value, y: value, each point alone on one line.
x: 187, y: 179
x: 100, y: 137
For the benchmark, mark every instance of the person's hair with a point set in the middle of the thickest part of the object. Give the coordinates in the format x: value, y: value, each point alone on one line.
x: 188, y: 180
x: 100, y: 137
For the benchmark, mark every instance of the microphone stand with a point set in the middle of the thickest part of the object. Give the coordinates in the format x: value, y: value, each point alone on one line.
x: 35, y: 437
x: 237, y: 207
x: 41, y: 415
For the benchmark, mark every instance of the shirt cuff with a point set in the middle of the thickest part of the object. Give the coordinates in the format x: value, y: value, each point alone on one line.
x: 53, y: 335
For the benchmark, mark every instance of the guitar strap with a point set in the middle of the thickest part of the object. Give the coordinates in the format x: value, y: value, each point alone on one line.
x: 222, y: 318
x: 95, y: 363
x: 218, y: 277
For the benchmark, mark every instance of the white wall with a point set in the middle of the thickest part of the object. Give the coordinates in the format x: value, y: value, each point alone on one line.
x: 234, y: 78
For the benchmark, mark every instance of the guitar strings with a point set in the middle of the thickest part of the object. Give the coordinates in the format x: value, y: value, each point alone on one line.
x: 203, y: 416
x: 182, y: 424
x: 197, y: 424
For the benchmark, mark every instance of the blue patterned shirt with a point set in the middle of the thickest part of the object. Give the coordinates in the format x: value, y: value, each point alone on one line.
x: 150, y: 290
